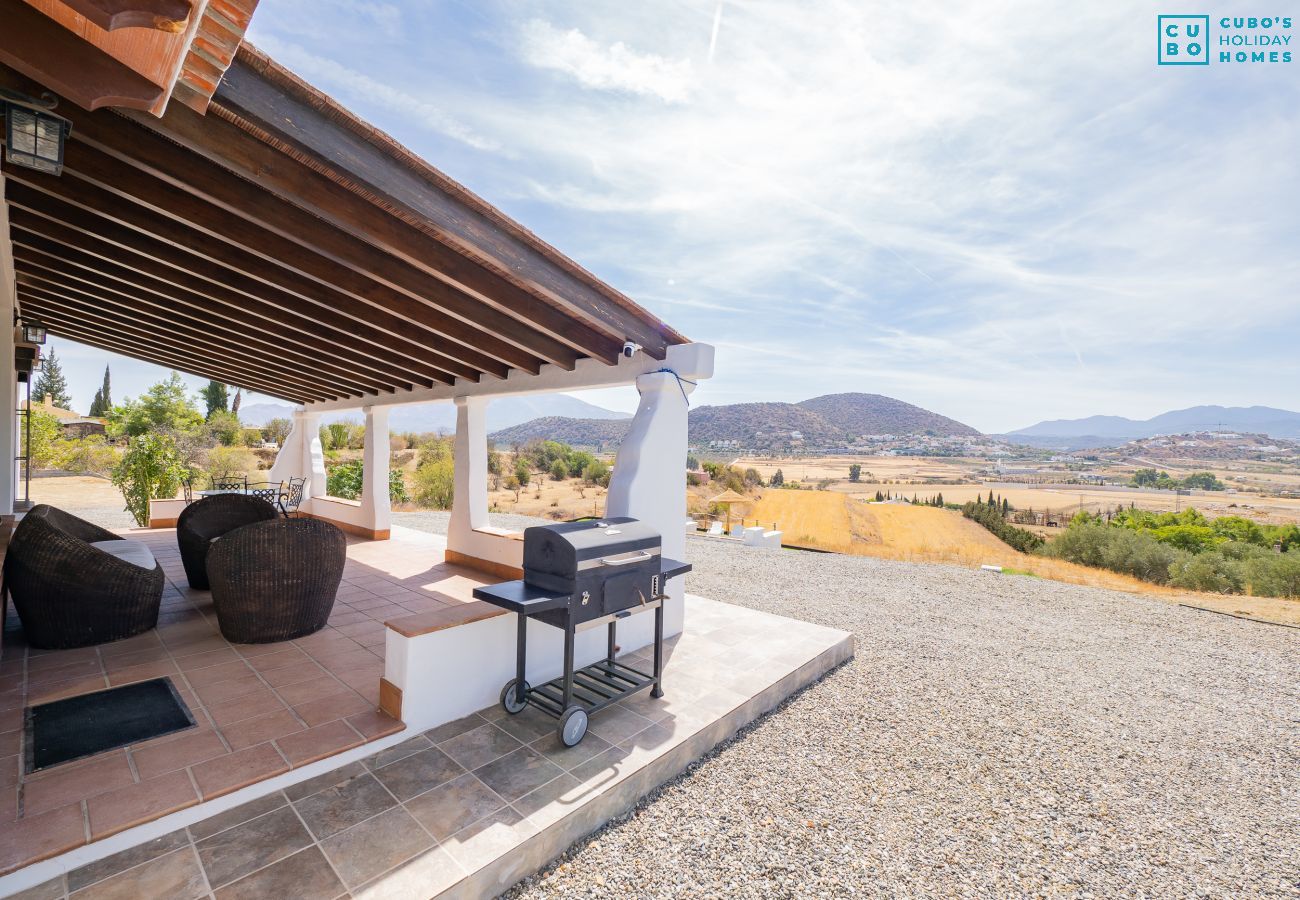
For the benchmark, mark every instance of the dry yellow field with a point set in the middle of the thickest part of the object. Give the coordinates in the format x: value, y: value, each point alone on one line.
x: 826, y: 520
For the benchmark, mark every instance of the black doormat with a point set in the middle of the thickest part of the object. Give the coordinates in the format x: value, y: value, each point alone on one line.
x: 78, y: 727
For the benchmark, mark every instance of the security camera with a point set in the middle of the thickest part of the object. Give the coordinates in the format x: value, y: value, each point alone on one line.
x: 630, y: 349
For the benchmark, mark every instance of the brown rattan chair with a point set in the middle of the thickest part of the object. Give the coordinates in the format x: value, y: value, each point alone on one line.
x: 75, y: 584
x: 275, y: 581
x: 210, y: 518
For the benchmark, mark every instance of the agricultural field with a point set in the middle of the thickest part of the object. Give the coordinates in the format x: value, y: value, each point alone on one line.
x: 818, y: 520
x: 960, y: 480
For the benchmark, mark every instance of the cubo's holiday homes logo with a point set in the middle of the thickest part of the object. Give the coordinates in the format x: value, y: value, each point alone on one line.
x: 1186, y: 40
x: 1183, y: 40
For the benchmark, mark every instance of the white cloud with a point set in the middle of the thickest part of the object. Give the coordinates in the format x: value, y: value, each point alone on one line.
x: 613, y: 67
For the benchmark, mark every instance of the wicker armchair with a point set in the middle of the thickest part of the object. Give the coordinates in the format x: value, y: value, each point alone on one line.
x: 275, y: 581
x: 75, y: 584
x: 210, y: 518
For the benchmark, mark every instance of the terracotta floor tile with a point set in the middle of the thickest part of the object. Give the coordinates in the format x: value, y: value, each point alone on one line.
x: 295, y: 694
x: 336, y: 706
x: 71, y: 688
x: 135, y: 658
x: 176, y: 875
x: 257, y: 703
x: 61, y: 785
x: 231, y: 854
x: 210, y: 675
x: 286, y: 656
x: 120, y: 809
x: 319, y: 742
x: 197, y: 646
x: 350, y: 617
x: 260, y: 729
x: 221, y: 691
x: 34, y: 838
x: 302, y: 670
x: 143, y: 672
x: 374, y: 724
x: 229, y: 773
x: 11, y: 719
x: 304, y: 876
x: 153, y: 760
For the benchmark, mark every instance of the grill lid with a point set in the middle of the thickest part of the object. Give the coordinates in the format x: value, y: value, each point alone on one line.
x: 568, y: 548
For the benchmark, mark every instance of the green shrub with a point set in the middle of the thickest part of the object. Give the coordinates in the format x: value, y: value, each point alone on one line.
x: 1274, y: 575
x: 225, y: 427
x: 151, y: 468
x: 596, y: 472
x: 44, y: 434
x: 91, y: 455
x: 559, y: 470
x: 1212, y: 572
x: 346, y: 481
x: 434, y: 482
x: 991, y: 518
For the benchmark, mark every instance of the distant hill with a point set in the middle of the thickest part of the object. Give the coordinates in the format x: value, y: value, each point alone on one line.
x: 825, y: 421
x: 859, y: 414
x: 503, y: 413
x: 1097, y: 431
x: 598, y: 433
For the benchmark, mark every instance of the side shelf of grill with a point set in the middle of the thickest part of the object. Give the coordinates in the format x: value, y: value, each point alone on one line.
x: 516, y: 596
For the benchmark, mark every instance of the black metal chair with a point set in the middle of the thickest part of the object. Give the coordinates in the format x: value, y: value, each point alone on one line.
x: 229, y: 482
x: 275, y: 581
x: 187, y: 486
x: 210, y: 518
x: 292, y: 497
x: 75, y: 584
x: 266, y: 490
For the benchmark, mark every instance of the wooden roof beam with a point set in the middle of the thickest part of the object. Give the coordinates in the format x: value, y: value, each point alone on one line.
x: 98, y: 214
x: 161, y: 15
x: 95, y: 275
x: 59, y: 60
x: 233, y: 148
x: 150, y: 351
x: 107, y: 310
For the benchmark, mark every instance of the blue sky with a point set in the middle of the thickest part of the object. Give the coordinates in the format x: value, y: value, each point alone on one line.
x: 985, y: 209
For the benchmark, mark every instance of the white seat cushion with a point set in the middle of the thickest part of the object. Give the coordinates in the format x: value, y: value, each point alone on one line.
x: 133, y: 552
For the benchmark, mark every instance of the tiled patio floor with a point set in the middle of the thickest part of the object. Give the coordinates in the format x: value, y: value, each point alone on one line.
x: 470, y: 807
x: 261, y: 709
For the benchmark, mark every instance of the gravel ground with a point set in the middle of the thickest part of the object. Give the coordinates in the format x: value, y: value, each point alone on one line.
x: 995, y: 735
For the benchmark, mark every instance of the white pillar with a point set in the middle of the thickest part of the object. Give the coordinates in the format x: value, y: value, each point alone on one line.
x: 469, y: 507
x: 376, y: 506
x: 301, y: 455
x: 8, y: 377
x: 649, y: 480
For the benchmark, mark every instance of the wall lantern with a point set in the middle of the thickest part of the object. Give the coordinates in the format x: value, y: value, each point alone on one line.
x: 34, y: 136
x: 34, y: 332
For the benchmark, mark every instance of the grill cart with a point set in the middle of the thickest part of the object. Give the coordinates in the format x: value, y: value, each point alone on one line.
x: 580, y: 575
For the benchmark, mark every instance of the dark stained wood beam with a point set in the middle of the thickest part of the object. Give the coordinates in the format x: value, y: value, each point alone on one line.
x: 99, y: 276
x: 96, y: 214
x: 302, y: 244
x: 266, y: 97
x: 114, y: 311
x: 233, y: 148
x: 59, y: 60
x: 161, y: 355
x: 161, y: 15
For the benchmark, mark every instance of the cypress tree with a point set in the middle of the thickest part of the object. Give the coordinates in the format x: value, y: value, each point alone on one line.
x: 97, y: 404
x: 106, y: 394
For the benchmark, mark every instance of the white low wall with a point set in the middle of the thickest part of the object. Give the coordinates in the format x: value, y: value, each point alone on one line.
x: 451, y: 673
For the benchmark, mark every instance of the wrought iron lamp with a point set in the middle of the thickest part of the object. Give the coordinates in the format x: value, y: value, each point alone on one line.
x: 34, y: 136
x: 34, y: 331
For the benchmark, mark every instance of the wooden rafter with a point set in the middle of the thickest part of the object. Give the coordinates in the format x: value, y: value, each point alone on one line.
x: 163, y: 15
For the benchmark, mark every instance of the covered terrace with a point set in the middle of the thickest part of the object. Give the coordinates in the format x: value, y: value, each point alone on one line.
x: 217, y: 215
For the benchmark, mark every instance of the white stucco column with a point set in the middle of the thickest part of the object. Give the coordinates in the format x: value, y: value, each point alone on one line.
x: 8, y: 377
x: 469, y: 508
x: 376, y: 506
x: 649, y: 480
x: 301, y: 455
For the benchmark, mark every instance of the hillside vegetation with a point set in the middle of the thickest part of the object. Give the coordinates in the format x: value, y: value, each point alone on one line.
x: 824, y: 421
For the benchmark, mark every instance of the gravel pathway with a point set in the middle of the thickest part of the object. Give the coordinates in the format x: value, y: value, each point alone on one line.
x: 995, y: 736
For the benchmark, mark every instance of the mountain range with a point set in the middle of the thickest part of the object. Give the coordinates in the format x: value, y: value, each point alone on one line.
x: 501, y: 413
x: 825, y: 421
x: 1102, y: 431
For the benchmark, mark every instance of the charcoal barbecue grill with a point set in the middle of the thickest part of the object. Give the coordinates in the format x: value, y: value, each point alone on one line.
x: 580, y: 575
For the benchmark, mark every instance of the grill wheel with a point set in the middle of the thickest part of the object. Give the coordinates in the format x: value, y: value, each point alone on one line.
x: 510, y: 701
x: 573, y: 726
